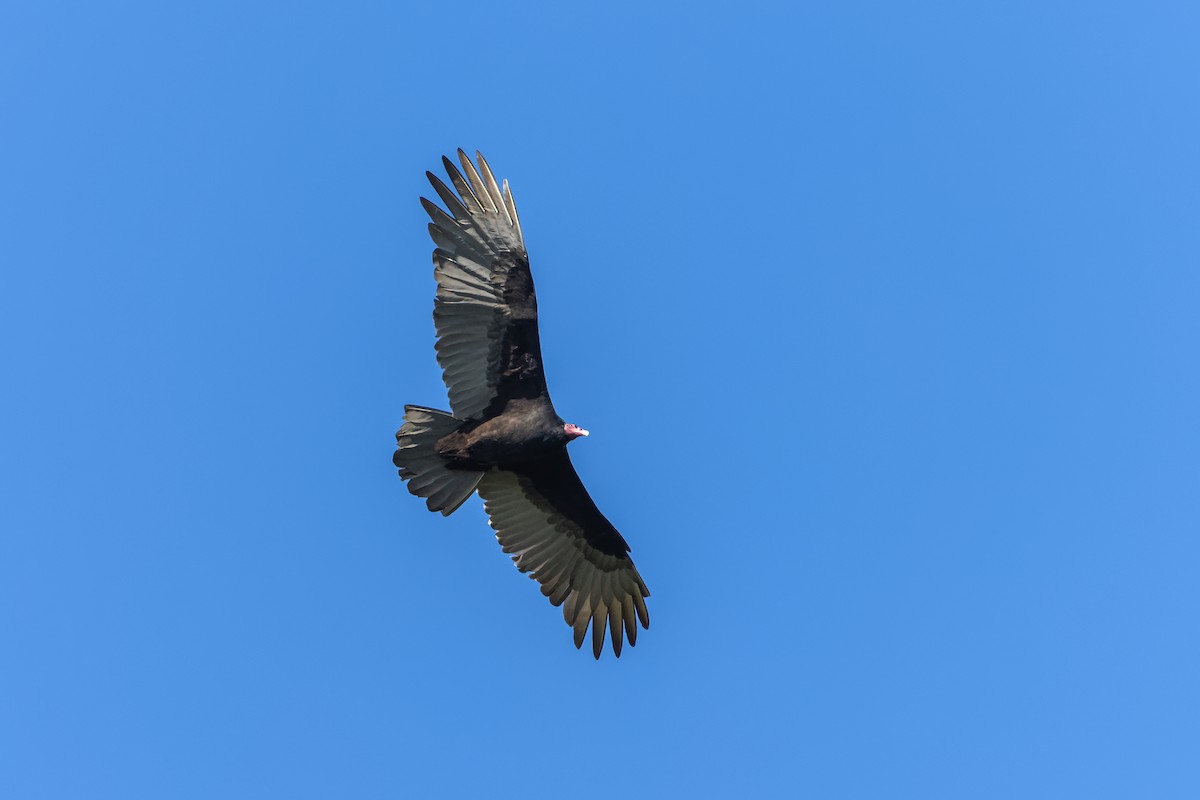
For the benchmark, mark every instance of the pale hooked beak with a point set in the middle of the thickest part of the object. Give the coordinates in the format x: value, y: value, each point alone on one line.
x: 574, y: 430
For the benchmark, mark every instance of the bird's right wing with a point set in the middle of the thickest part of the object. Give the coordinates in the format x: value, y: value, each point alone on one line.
x: 485, y: 309
x: 545, y: 519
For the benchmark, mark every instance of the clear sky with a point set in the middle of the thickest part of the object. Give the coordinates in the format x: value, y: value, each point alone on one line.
x: 883, y: 318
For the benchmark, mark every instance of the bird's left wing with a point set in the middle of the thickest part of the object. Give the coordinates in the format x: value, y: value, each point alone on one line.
x: 545, y: 519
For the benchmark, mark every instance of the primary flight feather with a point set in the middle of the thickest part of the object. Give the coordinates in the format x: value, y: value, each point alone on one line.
x: 503, y: 438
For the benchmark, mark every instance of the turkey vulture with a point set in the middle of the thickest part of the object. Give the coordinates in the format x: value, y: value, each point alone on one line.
x: 503, y: 437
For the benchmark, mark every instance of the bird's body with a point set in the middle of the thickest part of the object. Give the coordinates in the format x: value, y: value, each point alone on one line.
x: 524, y: 430
x: 504, y: 438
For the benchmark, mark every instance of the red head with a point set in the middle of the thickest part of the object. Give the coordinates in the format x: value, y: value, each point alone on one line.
x: 574, y: 431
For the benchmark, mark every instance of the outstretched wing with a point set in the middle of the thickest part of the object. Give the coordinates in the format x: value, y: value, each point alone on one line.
x: 485, y: 310
x: 545, y: 519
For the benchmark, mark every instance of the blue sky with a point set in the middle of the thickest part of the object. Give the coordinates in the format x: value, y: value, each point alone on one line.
x: 882, y: 316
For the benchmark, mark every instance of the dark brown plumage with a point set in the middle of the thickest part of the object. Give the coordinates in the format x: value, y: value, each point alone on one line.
x: 503, y: 437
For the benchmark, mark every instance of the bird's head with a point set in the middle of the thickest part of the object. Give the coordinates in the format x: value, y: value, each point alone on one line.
x: 573, y: 431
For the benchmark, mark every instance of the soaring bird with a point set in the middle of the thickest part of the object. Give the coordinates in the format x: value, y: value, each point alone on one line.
x: 502, y: 437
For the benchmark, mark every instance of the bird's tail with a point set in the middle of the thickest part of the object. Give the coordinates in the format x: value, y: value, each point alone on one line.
x: 416, y: 455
